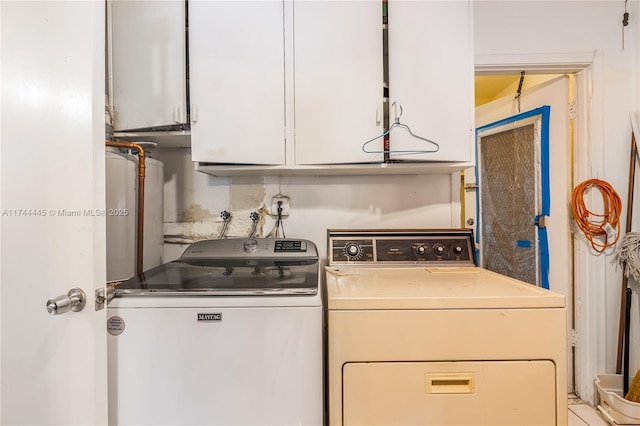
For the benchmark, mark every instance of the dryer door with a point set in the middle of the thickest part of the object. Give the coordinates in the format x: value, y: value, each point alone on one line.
x: 488, y: 393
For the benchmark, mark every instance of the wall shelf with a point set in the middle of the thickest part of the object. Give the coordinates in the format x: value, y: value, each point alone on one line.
x: 164, y: 139
x: 414, y: 168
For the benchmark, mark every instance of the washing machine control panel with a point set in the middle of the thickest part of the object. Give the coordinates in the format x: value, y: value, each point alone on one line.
x: 440, y: 247
x: 251, y: 248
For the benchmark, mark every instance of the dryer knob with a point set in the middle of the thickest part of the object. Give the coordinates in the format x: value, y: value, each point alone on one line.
x: 421, y: 250
x: 352, y: 249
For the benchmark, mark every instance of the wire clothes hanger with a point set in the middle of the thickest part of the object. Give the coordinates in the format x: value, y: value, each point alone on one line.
x: 395, y: 124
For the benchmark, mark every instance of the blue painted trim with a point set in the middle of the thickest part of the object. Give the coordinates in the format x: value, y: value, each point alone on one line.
x: 517, y: 117
x: 545, y: 113
x: 544, y: 257
x: 546, y: 195
x: 523, y: 243
x: 544, y: 159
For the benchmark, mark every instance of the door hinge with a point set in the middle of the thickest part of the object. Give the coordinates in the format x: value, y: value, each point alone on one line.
x: 541, y: 221
x: 470, y: 187
x: 103, y: 295
x: 573, y: 110
x: 574, y: 338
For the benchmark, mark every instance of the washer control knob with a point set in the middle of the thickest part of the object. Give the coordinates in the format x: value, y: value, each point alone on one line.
x: 457, y: 250
x: 439, y: 249
x: 250, y: 245
x: 421, y: 250
x: 352, y: 249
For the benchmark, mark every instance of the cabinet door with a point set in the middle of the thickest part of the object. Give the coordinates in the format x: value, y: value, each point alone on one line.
x: 431, y: 78
x: 338, y: 81
x: 236, y: 68
x: 148, y: 61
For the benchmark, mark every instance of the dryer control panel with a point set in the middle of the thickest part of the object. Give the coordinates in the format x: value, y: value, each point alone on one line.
x: 437, y: 247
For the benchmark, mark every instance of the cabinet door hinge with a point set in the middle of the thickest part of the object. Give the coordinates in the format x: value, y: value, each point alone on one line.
x: 574, y: 338
x: 573, y: 110
x: 194, y: 113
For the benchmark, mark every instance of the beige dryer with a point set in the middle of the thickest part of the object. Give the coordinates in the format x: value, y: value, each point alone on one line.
x: 418, y: 335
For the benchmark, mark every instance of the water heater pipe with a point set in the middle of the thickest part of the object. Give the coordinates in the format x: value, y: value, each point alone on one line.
x: 140, y: 219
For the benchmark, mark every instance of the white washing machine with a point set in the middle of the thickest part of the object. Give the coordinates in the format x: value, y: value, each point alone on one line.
x: 418, y: 335
x: 229, y: 334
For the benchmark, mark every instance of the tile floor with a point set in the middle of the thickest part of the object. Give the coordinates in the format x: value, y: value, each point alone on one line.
x: 583, y: 414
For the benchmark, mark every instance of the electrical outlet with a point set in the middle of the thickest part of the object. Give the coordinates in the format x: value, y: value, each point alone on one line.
x: 285, y: 205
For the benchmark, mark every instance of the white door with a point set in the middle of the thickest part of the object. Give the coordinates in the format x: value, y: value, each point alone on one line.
x: 554, y: 93
x: 148, y: 63
x: 236, y: 78
x: 431, y: 78
x: 53, y: 368
x: 338, y: 81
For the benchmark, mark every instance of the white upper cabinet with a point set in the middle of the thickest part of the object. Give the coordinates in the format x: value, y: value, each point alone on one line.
x: 298, y: 86
x: 431, y: 78
x: 338, y: 81
x: 236, y: 71
x: 148, y: 64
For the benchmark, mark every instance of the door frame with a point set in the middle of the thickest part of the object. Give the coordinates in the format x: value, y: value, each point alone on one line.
x: 588, y: 316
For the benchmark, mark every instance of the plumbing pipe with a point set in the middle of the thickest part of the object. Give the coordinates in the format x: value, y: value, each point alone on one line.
x: 140, y: 218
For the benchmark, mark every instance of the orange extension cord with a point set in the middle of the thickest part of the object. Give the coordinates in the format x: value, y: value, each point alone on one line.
x: 611, y: 216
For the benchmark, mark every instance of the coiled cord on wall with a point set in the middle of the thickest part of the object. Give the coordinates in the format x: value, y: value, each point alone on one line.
x: 594, y: 225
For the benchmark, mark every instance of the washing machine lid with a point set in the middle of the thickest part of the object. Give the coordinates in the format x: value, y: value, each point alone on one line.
x: 233, y: 267
x: 362, y: 288
x: 225, y: 277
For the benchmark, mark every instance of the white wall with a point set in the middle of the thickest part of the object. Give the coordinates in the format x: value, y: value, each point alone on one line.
x: 513, y: 30
x: 193, y: 202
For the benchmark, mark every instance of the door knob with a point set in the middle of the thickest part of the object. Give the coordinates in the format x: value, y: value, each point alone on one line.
x: 74, y: 300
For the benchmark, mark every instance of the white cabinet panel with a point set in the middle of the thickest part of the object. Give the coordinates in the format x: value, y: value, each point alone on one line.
x: 338, y: 81
x: 431, y: 77
x: 236, y: 67
x: 148, y: 63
